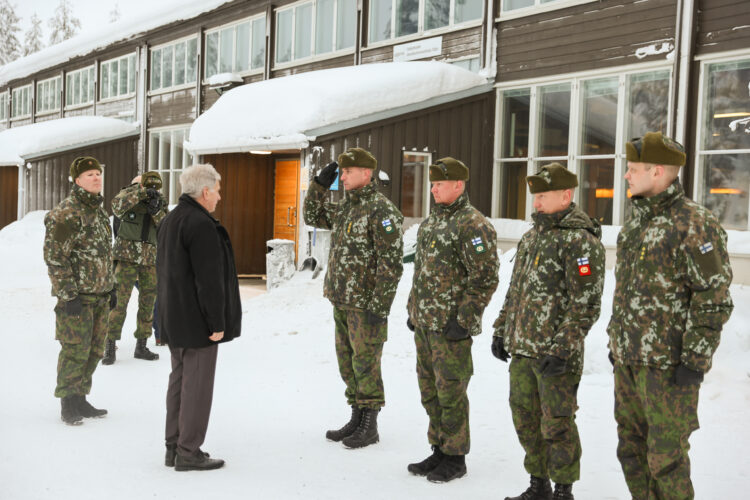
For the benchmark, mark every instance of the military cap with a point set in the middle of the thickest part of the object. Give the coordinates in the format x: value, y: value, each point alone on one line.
x: 448, y: 169
x: 655, y: 148
x: 151, y: 180
x: 357, y: 157
x: 551, y: 177
x: 82, y: 164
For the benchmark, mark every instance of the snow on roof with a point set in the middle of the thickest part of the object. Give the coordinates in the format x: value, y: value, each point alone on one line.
x: 280, y: 113
x: 160, y: 14
x: 19, y: 143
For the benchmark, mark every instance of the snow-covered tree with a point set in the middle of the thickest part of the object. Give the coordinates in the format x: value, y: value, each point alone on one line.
x: 10, y: 46
x: 114, y: 14
x: 63, y: 24
x: 32, y: 40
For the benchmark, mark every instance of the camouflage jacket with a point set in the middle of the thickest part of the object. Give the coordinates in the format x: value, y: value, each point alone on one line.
x: 554, y: 296
x: 365, y: 262
x: 673, y: 275
x: 131, y: 244
x: 78, y: 246
x: 455, y: 268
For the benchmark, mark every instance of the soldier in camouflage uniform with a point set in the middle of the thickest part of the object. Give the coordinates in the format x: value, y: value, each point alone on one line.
x: 140, y: 207
x: 364, y: 267
x: 78, y: 254
x: 455, y: 275
x: 671, y: 302
x: 553, y: 299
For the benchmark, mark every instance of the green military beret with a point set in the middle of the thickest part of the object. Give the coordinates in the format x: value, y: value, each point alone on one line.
x: 357, y: 157
x: 82, y: 164
x: 151, y: 180
x: 657, y: 149
x: 448, y: 169
x: 551, y: 177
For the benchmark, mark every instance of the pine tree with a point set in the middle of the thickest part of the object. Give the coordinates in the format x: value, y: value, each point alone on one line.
x: 114, y: 14
x: 32, y: 40
x: 10, y: 46
x: 63, y: 24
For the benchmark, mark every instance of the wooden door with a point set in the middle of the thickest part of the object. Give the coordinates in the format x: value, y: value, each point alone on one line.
x: 8, y: 195
x: 285, y: 201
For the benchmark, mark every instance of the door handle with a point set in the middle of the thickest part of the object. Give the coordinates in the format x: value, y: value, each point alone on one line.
x: 288, y: 215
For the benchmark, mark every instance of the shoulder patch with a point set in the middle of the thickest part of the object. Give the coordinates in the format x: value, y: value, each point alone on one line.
x: 479, y: 245
x: 584, y: 268
x: 707, y: 259
x: 388, y: 228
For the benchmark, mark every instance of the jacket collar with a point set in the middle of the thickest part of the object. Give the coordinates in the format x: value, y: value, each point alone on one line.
x: 653, y: 205
x: 460, y: 202
x: 89, y: 199
x: 547, y: 221
x: 186, y: 199
x: 362, y: 194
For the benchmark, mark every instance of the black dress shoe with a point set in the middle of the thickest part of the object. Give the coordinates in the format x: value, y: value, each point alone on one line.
x: 199, y: 461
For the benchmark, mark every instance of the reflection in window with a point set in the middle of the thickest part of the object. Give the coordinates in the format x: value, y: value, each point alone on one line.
x: 235, y: 49
x: 407, y: 17
x: 596, y: 179
x: 380, y: 20
x: 648, y: 104
x: 414, y: 190
x: 555, y: 120
x: 117, y: 80
x: 436, y: 14
x: 516, y: 123
x: 303, y: 31
x: 514, y: 190
x: 726, y: 184
x: 299, y: 38
x: 599, y: 108
x: 468, y: 10
x: 168, y: 157
x: 48, y: 95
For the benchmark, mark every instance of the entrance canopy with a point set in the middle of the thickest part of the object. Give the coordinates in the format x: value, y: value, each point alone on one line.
x: 288, y: 112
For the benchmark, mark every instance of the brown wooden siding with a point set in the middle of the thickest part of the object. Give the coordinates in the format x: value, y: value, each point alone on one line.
x: 335, y: 62
x: 722, y: 25
x: 113, y: 109
x: 585, y: 37
x: 84, y: 111
x: 456, y: 44
x: 51, y: 116
x: 8, y: 195
x: 171, y: 108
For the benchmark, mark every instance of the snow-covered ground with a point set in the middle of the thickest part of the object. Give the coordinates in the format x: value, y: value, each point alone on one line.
x: 278, y: 390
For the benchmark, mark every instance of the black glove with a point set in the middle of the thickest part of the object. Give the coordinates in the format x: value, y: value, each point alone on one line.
x: 74, y: 307
x: 373, y: 319
x: 611, y: 358
x: 454, y: 331
x: 152, y: 193
x: 552, y: 366
x: 409, y: 324
x: 154, y: 205
x: 685, y: 376
x: 113, y: 298
x: 498, y: 349
x: 327, y: 175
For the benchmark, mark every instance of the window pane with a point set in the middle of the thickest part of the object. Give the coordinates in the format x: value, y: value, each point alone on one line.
x: 467, y: 10
x: 284, y: 36
x: 516, y: 123
x: 346, y: 24
x: 302, y: 31
x: 727, y: 122
x: 153, y: 151
x: 324, y: 26
x: 212, y: 54
x: 517, y: 4
x: 437, y: 13
x: 726, y: 185
x: 177, y: 190
x: 165, y: 185
x: 123, y: 77
x: 85, y: 86
x: 259, y: 43
x: 380, y: 20
x: 192, y: 56
x: 413, y: 185
x: 113, y: 69
x: 131, y: 74
x: 78, y: 97
x: 407, y: 17
x: 554, y: 119
x: 68, y: 90
x: 167, y: 69
x: 242, y: 59
x: 599, y: 126
x: 226, y: 50
x: 92, y: 83
x: 165, y: 148
x: 156, y: 69
x: 178, y: 136
x: 104, y: 89
x: 179, y: 64
x: 648, y: 103
x: 597, y: 181
x: 513, y: 205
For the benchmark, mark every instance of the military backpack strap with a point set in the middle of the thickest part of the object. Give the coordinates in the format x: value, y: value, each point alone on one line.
x: 115, y: 225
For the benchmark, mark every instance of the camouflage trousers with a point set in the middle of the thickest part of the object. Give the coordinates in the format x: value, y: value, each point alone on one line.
x: 81, y: 344
x: 655, y: 418
x: 444, y: 368
x: 359, y: 349
x: 543, y: 410
x: 126, y: 274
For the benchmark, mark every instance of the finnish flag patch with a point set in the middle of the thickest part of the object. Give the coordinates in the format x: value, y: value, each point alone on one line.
x: 387, y: 225
x: 479, y: 246
x: 584, y: 269
x: 706, y: 247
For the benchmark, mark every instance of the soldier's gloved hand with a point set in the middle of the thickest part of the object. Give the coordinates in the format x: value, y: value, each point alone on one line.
x: 409, y: 324
x: 74, y: 307
x: 552, y: 366
x: 327, y: 175
x: 454, y: 331
x: 373, y: 319
x: 154, y: 205
x: 685, y: 376
x: 152, y: 193
x: 113, y: 298
x: 498, y: 349
x: 611, y: 358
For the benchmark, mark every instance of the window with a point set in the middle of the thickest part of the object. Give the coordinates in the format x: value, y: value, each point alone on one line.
x: 236, y: 48
x: 174, y: 64
x: 4, y: 106
x: 473, y: 64
x: 168, y: 156
x: 79, y: 87
x: 724, y: 142
x: 415, y: 186
x: 298, y: 37
x: 512, y: 6
x: 397, y: 18
x: 117, y: 77
x: 21, y: 102
x: 48, y: 95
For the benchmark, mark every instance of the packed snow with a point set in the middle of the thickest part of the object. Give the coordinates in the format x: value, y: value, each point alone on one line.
x: 278, y: 390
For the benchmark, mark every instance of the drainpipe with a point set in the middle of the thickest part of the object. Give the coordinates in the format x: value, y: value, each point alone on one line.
x: 684, y: 36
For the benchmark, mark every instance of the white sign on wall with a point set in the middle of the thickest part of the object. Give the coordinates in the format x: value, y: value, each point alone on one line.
x: 418, y: 49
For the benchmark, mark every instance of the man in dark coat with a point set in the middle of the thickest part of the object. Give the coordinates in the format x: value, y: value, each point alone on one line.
x: 198, y: 308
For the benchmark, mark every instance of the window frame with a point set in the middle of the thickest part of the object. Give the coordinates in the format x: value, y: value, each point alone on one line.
x: 537, y: 8
x: 100, y: 80
x: 173, y: 186
x: 426, y: 186
x: 233, y: 25
x: 38, y: 101
x: 92, y: 82
x: 173, y: 44
x: 4, y: 99
x: 30, y: 88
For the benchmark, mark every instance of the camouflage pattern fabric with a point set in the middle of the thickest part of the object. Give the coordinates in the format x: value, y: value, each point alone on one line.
x: 455, y: 268
x: 365, y: 262
x: 444, y: 368
x: 359, y: 349
x: 130, y: 207
x: 555, y: 291
x: 78, y: 246
x: 81, y: 344
x: 673, y: 275
x: 543, y: 411
x: 126, y: 274
x: 655, y: 418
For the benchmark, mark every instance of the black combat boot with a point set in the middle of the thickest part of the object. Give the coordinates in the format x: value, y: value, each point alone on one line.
x: 366, y: 432
x: 86, y: 410
x: 109, y: 352
x: 142, y: 352
x: 428, y: 464
x: 348, y: 428
x: 199, y: 461
x: 563, y: 492
x: 170, y: 455
x: 540, y: 489
x: 70, y: 413
x: 450, y: 467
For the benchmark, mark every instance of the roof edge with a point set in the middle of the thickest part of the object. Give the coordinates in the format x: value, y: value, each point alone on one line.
x: 134, y: 132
